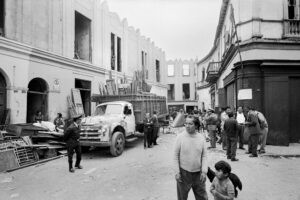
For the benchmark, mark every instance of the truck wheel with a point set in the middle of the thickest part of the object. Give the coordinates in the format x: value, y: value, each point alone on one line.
x: 117, y: 144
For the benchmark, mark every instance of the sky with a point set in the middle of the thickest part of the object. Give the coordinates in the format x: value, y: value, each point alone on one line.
x: 184, y: 29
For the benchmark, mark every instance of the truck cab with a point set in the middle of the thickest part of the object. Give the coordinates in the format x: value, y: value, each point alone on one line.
x: 110, y: 125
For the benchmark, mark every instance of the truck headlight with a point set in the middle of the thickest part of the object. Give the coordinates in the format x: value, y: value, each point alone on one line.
x: 103, y: 130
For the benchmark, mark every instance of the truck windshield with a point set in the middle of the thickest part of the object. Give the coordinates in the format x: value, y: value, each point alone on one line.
x: 108, y: 109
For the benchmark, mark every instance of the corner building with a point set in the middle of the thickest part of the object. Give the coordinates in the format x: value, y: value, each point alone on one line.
x: 255, y: 60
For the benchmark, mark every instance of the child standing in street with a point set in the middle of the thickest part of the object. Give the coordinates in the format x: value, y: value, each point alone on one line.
x: 221, y: 187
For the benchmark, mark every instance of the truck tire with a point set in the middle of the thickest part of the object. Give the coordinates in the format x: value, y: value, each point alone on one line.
x: 117, y: 144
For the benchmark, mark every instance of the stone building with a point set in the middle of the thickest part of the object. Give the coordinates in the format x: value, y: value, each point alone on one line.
x: 182, y: 85
x: 48, y: 47
x: 255, y: 60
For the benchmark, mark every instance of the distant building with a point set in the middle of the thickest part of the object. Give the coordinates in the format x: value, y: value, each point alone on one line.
x: 255, y: 60
x: 181, y: 80
x: 49, y: 47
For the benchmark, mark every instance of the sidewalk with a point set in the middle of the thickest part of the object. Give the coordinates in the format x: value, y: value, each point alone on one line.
x: 293, y: 150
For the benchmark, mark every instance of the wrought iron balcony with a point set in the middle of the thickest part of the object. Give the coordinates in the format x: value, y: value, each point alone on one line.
x: 291, y: 28
x: 213, y: 71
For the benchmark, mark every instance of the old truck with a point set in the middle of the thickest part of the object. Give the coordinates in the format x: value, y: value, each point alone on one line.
x: 117, y: 118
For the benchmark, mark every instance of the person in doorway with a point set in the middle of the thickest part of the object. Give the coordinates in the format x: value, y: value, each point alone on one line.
x: 222, y: 187
x: 190, y: 159
x: 59, y: 122
x: 148, y: 131
x: 231, y: 131
x: 155, y: 127
x: 241, y: 118
x: 38, y: 117
x: 254, y: 130
x: 71, y: 137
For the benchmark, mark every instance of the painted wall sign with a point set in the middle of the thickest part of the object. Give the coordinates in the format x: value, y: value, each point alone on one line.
x: 245, y: 94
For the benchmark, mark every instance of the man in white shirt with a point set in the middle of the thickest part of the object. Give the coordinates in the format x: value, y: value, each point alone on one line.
x: 240, y: 118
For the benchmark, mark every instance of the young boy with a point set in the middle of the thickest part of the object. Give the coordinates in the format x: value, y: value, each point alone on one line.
x: 221, y: 187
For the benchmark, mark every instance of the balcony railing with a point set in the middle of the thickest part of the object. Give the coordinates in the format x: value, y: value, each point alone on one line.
x: 291, y: 28
x: 213, y: 71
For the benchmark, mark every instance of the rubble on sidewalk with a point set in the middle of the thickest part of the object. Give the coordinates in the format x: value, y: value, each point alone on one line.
x: 25, y: 144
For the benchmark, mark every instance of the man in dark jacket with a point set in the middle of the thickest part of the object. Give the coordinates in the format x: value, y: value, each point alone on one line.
x: 254, y: 130
x: 231, y: 131
x: 71, y: 137
x: 148, y: 131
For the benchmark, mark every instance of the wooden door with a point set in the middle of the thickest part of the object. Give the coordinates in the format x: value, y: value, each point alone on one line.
x: 294, y: 96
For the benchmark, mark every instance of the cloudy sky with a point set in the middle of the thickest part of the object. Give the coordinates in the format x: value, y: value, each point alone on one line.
x: 182, y: 28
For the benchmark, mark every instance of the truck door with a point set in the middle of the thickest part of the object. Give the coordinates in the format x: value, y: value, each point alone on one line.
x: 129, y: 119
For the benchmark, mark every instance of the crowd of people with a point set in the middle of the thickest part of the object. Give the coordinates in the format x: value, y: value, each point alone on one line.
x: 229, y: 128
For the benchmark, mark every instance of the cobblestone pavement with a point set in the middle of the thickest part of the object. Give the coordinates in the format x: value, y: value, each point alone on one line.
x: 145, y: 175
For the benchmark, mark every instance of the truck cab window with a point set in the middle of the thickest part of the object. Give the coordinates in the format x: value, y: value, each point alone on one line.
x: 127, y: 110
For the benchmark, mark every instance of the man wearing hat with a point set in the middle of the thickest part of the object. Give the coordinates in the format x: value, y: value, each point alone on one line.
x: 71, y: 136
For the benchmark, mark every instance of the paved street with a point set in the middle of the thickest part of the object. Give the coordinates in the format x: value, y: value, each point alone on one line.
x: 143, y: 175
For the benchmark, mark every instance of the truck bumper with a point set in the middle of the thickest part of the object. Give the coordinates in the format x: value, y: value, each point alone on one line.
x: 94, y: 143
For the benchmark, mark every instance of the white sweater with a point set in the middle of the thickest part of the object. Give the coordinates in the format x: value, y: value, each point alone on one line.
x: 190, y: 152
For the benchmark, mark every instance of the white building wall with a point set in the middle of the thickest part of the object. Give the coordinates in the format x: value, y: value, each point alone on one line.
x: 42, y: 45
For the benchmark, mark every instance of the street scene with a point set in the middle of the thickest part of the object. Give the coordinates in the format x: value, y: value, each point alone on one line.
x: 150, y: 99
x: 140, y: 174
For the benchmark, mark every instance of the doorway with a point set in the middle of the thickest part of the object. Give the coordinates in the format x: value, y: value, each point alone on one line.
x: 85, y: 92
x: 294, y: 97
x: 2, y: 97
x: 37, y: 99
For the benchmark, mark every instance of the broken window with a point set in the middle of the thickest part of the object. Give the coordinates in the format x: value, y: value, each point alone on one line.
x: 170, y: 70
x: 186, y: 70
x: 2, y: 14
x: 112, y: 51
x: 157, y: 64
x: 119, y: 60
x: 185, y: 91
x: 171, y: 92
x: 82, y: 44
x: 85, y: 92
x: 291, y: 8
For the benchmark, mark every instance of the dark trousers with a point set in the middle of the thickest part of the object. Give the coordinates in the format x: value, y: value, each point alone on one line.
x: 231, y: 147
x: 253, y: 143
x: 190, y: 180
x: 241, y: 135
x: 148, y: 137
x: 224, y: 140
x: 70, y: 149
x: 155, y: 134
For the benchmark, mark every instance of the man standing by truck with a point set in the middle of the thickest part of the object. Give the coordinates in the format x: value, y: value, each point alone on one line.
x: 148, y: 131
x: 71, y: 137
x: 155, y: 127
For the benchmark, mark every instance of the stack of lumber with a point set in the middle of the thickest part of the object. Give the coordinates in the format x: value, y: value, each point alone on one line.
x: 113, y: 87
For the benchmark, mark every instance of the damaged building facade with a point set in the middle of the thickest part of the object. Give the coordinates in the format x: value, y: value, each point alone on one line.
x: 181, y: 81
x: 255, y: 61
x: 48, y: 47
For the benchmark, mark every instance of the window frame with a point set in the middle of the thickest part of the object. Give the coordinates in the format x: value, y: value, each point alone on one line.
x: 171, y: 75
x: 183, y: 70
